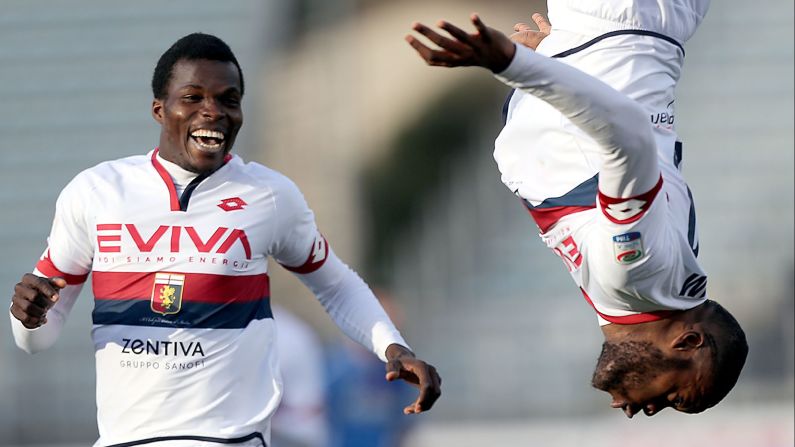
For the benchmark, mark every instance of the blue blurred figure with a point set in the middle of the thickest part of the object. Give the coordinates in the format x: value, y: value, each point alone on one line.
x: 364, y: 409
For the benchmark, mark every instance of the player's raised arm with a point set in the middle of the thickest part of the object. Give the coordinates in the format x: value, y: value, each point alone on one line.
x: 617, y: 123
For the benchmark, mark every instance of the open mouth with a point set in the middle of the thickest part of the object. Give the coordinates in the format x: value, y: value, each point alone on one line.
x: 208, y: 140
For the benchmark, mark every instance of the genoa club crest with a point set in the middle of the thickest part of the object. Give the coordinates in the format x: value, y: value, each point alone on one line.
x: 167, y: 293
x: 628, y: 247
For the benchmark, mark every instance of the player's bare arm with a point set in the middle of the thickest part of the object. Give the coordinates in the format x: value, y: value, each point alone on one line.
x: 33, y: 297
x: 402, y: 364
x: 486, y: 48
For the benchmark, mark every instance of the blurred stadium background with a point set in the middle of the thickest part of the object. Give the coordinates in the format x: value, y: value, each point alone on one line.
x: 395, y: 159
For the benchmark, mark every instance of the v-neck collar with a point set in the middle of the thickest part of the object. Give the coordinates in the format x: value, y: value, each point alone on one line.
x: 177, y: 202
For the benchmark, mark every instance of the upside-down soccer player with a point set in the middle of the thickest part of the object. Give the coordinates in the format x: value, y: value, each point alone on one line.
x: 177, y: 242
x: 589, y: 146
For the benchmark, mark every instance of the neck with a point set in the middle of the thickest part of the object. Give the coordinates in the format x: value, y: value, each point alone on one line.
x: 653, y: 329
x: 642, y: 331
x: 179, y: 175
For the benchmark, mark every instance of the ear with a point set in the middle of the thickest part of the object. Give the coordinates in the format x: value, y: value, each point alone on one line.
x: 688, y: 340
x: 157, y: 110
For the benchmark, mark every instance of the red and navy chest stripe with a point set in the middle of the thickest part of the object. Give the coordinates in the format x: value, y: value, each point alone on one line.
x: 207, y: 300
x: 581, y: 198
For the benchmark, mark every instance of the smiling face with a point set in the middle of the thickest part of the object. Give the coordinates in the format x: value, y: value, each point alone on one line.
x: 639, y: 377
x: 200, y: 115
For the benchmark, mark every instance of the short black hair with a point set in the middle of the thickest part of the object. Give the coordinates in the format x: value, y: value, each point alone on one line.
x: 729, y: 350
x: 191, y: 47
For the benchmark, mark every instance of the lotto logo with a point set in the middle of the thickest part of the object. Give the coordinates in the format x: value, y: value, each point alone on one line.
x: 625, y: 210
x: 232, y: 204
x: 630, y: 209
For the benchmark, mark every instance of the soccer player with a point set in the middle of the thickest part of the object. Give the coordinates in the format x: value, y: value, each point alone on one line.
x: 589, y: 147
x: 177, y: 242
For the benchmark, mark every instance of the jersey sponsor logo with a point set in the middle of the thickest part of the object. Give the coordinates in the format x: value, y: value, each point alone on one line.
x: 232, y: 204
x: 179, y: 355
x: 167, y: 293
x: 628, y: 247
x: 109, y: 238
x: 695, y: 286
x: 162, y: 347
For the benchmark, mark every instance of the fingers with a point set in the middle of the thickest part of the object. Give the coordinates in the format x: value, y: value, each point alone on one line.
x: 30, y: 315
x: 440, y: 40
x: 48, y: 286
x: 26, y: 320
x: 456, y: 32
x: 483, y: 30
x: 421, y: 375
x: 393, y: 370
x: 521, y: 27
x: 58, y: 282
x: 431, y: 57
x: 543, y: 24
x: 430, y: 389
x: 33, y: 297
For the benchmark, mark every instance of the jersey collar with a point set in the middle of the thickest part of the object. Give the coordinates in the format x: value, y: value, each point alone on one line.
x: 176, y: 202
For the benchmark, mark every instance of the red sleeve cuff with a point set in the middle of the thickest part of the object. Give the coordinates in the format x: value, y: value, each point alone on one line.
x: 629, y: 209
x: 46, y: 267
x: 317, y: 257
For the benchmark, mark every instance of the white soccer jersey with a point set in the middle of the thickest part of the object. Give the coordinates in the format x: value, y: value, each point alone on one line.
x: 595, y: 120
x: 183, y: 329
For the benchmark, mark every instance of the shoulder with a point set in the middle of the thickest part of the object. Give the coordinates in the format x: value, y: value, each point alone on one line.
x: 109, y: 170
x: 259, y: 174
x: 104, y: 175
x: 282, y: 188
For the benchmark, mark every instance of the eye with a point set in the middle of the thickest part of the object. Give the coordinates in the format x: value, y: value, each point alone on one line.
x: 231, y: 101
x: 191, y: 98
x: 678, y: 402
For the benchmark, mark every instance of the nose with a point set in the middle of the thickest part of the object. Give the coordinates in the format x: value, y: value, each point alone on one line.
x: 210, y: 109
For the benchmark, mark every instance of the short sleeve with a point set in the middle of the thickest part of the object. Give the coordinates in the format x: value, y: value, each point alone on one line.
x: 69, y: 252
x: 297, y: 244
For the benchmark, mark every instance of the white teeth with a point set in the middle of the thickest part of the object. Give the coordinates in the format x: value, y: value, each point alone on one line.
x: 207, y: 147
x: 207, y: 134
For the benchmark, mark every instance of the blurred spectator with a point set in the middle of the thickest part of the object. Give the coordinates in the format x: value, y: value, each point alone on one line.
x: 364, y: 409
x: 300, y: 420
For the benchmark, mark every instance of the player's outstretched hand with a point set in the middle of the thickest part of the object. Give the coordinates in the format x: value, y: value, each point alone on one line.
x: 33, y: 297
x: 487, y: 47
x: 525, y: 35
x: 402, y: 364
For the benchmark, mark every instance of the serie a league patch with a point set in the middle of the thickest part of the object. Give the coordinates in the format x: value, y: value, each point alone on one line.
x: 167, y: 293
x: 628, y: 247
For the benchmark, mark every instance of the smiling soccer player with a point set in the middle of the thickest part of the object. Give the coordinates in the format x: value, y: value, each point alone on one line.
x: 177, y: 242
